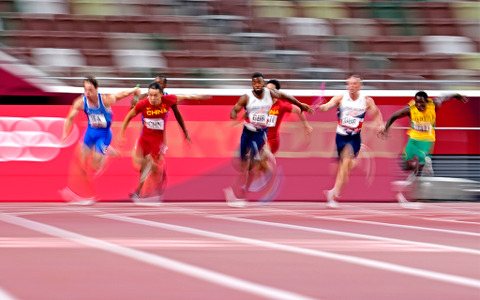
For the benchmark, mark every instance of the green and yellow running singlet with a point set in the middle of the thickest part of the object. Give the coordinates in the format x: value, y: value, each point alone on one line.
x: 422, y: 123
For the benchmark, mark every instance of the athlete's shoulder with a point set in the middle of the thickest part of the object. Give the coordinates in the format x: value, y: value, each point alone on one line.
x: 287, y: 106
x: 169, y: 99
x: 141, y: 104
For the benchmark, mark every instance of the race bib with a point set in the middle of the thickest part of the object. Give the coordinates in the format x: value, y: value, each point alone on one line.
x: 422, y: 127
x: 155, y: 124
x: 349, y: 121
x: 272, y: 120
x: 259, y: 119
x: 97, y: 120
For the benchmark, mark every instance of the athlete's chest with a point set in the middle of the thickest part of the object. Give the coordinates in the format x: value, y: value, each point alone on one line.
x: 276, y: 110
x: 425, y: 116
x: 155, y: 111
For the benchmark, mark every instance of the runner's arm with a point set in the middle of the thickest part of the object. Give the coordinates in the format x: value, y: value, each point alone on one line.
x: 135, y: 100
x: 438, y: 102
x: 241, y: 103
x: 405, y: 112
x: 377, y: 115
x: 281, y: 95
x: 181, y: 121
x: 298, y: 111
x: 131, y: 114
x: 335, y: 101
x: 67, y: 126
x: 112, y: 98
x: 192, y: 97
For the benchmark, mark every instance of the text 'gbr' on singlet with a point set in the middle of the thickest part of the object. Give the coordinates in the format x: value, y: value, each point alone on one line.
x: 351, y: 114
x: 257, y: 110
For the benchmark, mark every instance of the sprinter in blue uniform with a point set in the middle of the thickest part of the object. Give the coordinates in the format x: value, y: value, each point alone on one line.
x: 90, y: 158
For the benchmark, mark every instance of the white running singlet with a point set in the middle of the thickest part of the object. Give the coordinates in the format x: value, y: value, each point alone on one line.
x: 257, y: 110
x: 351, y: 114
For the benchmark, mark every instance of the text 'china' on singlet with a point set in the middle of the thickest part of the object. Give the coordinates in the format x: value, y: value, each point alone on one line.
x: 155, y: 117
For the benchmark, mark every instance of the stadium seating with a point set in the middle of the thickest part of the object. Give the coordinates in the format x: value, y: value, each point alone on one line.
x: 448, y: 44
x: 308, y: 26
x: 468, y: 61
x: 60, y: 61
x: 400, y: 44
x: 466, y: 10
x: 323, y: 9
x: 356, y: 27
x: 273, y: 9
x: 42, y: 6
x: 382, y: 39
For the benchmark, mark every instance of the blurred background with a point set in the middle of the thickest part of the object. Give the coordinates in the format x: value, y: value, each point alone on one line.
x: 398, y: 47
x: 394, y: 44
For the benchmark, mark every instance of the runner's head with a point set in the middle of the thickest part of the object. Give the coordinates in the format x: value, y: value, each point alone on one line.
x: 258, y: 83
x: 90, y: 86
x: 155, y: 93
x: 161, y: 80
x: 354, y: 84
x: 273, y: 84
x: 421, y: 99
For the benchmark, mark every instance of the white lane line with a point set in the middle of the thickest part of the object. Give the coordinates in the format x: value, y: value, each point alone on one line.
x: 429, y: 208
x: 454, y: 279
x: 46, y: 212
x: 452, y: 221
x: 400, y: 226
x: 351, y: 234
x: 159, y: 261
x: 345, y: 218
x: 5, y: 296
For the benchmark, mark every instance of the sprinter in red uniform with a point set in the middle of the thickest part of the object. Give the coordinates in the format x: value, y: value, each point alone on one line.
x: 151, y: 148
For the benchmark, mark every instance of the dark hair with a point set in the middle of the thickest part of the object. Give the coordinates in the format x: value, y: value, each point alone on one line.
x: 163, y: 77
x: 275, y: 83
x: 91, y: 80
x: 421, y: 94
x: 256, y: 75
x: 155, y: 86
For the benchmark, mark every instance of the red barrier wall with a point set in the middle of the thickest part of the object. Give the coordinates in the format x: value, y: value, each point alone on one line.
x: 199, y: 172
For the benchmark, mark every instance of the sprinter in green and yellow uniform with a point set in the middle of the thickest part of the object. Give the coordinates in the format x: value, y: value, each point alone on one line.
x: 422, y: 113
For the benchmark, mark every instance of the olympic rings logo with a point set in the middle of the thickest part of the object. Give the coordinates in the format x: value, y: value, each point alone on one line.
x: 33, y: 139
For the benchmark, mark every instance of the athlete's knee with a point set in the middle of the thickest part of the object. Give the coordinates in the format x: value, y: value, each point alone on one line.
x: 97, y: 161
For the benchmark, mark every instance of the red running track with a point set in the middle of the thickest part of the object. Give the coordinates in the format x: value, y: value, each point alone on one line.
x: 209, y: 251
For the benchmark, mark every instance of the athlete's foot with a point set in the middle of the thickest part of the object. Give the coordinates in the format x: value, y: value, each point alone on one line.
x: 74, y: 199
x: 134, y: 196
x: 411, y: 178
x: 404, y: 203
x: 148, y: 200
x: 427, y: 168
x: 331, y: 202
x: 232, y: 200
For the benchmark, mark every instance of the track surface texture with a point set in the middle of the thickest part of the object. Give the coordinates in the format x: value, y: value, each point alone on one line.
x: 206, y: 250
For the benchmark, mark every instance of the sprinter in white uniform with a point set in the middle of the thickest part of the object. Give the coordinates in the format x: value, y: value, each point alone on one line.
x: 351, y: 109
x: 257, y: 104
